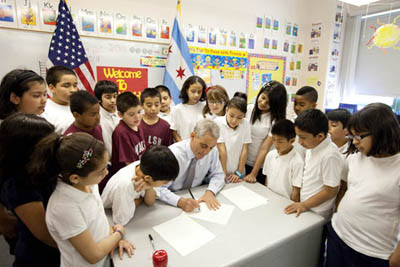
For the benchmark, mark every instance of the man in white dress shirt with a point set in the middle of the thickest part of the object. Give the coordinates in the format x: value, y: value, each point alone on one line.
x: 198, y: 159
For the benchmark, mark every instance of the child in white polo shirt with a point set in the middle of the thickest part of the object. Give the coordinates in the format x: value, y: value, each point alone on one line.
x: 283, y: 167
x: 136, y: 182
x: 234, y: 138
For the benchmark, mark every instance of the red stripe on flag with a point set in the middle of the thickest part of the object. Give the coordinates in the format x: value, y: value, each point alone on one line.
x: 84, y: 81
x: 89, y: 67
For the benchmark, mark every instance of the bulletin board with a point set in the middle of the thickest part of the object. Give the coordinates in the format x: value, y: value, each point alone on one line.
x: 262, y: 69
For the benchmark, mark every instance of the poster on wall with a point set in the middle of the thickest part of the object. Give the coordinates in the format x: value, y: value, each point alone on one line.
x: 288, y: 28
x: 222, y: 37
x: 87, y: 21
x: 242, y: 40
x: 28, y: 14
x: 210, y: 58
x: 190, y: 33
x: 121, y: 23
x: 259, y: 22
x: 151, y: 27
x: 202, y: 35
x: 48, y: 15
x: 261, y: 69
x: 164, y: 29
x: 8, y: 16
x: 105, y: 23
x: 232, y: 39
x: 295, y: 31
x: 212, y: 36
x: 276, y: 25
x: 128, y: 79
x: 251, y: 42
x: 267, y: 42
x: 137, y: 27
x: 316, y: 30
x: 268, y: 23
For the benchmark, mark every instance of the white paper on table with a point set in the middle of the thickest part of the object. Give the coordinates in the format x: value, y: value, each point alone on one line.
x: 244, y: 198
x: 184, y: 234
x: 220, y: 216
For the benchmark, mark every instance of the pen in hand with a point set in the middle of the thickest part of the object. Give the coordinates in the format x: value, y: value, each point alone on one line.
x: 191, y: 194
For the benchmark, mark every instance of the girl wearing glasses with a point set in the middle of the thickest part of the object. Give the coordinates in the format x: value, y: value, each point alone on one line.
x: 216, y: 102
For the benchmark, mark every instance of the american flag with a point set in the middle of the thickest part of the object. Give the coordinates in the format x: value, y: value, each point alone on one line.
x: 66, y: 49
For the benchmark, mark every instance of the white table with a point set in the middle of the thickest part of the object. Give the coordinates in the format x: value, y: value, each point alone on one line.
x: 263, y: 236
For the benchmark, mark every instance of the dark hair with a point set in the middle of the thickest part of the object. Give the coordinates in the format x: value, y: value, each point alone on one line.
x: 309, y: 93
x: 189, y: 81
x: 55, y: 73
x: 56, y: 156
x: 81, y: 101
x: 126, y: 101
x: 312, y: 121
x: 105, y: 87
x: 18, y: 82
x: 160, y: 163
x: 162, y: 88
x: 19, y: 134
x: 277, y: 101
x: 240, y: 94
x: 284, y: 128
x: 238, y: 103
x: 215, y: 92
x: 149, y: 92
x: 379, y: 120
x: 340, y: 114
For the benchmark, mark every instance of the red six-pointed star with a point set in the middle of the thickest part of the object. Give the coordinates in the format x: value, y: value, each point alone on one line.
x: 181, y: 73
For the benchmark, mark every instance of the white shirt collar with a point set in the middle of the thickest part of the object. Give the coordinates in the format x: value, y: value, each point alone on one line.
x: 325, y: 143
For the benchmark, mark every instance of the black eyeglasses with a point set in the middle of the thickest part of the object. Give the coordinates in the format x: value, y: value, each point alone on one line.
x: 359, y: 137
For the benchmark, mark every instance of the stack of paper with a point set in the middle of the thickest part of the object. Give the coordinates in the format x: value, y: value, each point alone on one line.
x: 244, y: 198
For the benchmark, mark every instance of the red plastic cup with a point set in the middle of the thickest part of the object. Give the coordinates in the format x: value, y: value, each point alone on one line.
x: 160, y: 258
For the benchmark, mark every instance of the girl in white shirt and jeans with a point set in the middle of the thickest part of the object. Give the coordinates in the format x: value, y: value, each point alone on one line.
x: 364, y: 229
x: 75, y: 215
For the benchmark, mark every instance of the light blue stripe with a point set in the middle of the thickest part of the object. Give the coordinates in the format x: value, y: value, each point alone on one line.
x: 170, y: 83
x: 182, y: 45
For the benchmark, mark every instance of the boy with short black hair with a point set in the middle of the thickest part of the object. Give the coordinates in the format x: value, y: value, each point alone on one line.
x: 86, y: 110
x: 128, y: 143
x: 166, y: 99
x: 323, y: 165
x: 156, y: 130
x: 62, y: 83
x: 135, y: 183
x: 107, y: 92
x: 306, y: 98
x: 338, y: 119
x: 283, y: 167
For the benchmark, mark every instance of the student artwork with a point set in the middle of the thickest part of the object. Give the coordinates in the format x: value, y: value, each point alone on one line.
x: 274, y: 44
x: 151, y: 28
x: 314, y: 49
x: 293, y: 48
x: 276, y: 25
x: 121, y: 25
x: 336, y: 34
x: 268, y: 23
x: 251, y: 41
x: 137, y: 26
x: 266, y: 77
x: 190, y: 33
x: 232, y: 39
x: 27, y: 14
x: 48, y: 15
x: 291, y: 65
x: 164, y: 29
x: 295, y: 31
x: 298, y: 65
x: 288, y: 28
x: 386, y: 36
x: 316, y: 30
x: 7, y: 13
x: 266, y: 42
x: 294, y: 81
x: 286, y: 46
x: 202, y: 35
x: 299, y: 48
x: 223, y: 37
x: 335, y: 52
x: 287, y: 81
x: 259, y: 22
x: 242, y: 40
x: 212, y: 36
x: 87, y: 21
x: 105, y: 23
x: 313, y: 66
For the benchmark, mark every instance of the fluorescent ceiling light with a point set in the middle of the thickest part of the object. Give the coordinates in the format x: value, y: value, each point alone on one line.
x: 380, y: 13
x: 359, y: 2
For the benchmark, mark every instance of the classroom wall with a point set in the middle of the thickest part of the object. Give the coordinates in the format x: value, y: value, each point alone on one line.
x: 229, y: 14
